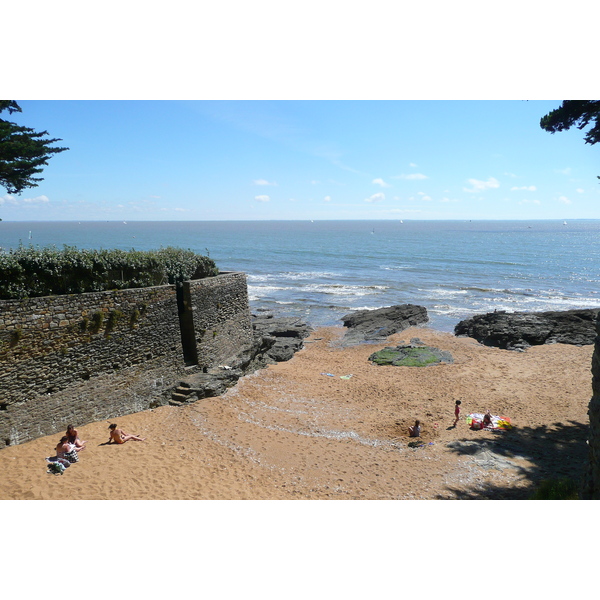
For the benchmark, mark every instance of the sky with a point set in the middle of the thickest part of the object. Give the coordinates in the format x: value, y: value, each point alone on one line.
x: 306, y: 159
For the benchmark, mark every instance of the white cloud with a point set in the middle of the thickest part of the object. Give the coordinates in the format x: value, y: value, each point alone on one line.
x: 424, y: 196
x: 12, y: 200
x: 375, y: 197
x: 564, y: 200
x: 262, y: 198
x: 527, y: 188
x: 327, y: 199
x: 566, y: 171
x: 580, y: 191
x: 479, y: 185
x: 263, y: 182
x: 444, y: 199
x: 413, y: 165
x: 530, y: 202
x: 411, y: 176
x: 381, y: 182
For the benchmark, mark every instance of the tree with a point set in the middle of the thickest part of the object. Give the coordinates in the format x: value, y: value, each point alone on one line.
x: 578, y: 113
x: 581, y: 113
x: 23, y: 152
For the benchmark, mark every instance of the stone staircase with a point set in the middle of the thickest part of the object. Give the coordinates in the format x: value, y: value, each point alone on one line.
x: 204, y: 385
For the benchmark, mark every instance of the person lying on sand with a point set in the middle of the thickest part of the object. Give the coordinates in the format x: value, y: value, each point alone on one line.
x: 415, y: 430
x: 73, y: 438
x: 118, y: 436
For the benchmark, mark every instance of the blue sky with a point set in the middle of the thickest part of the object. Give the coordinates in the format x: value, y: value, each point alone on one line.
x: 246, y: 160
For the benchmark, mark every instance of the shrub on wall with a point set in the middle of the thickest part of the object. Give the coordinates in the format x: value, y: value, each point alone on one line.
x: 28, y: 272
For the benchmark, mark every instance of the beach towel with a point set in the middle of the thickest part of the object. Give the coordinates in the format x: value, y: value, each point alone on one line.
x: 475, y: 421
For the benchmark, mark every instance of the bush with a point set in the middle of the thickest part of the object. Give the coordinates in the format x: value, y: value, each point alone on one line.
x: 557, y: 489
x: 27, y: 271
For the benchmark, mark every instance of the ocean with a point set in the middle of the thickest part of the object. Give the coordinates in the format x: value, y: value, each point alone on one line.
x: 320, y: 271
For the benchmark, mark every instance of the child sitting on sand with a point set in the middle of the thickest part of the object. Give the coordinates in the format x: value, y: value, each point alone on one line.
x: 118, y: 436
x: 415, y: 430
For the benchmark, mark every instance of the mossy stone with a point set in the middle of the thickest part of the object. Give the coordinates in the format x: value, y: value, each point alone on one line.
x: 410, y: 356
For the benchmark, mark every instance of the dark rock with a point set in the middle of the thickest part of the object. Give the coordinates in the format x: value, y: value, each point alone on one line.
x: 274, y: 340
x: 517, y: 331
x: 411, y: 356
x: 288, y: 334
x: 376, y: 325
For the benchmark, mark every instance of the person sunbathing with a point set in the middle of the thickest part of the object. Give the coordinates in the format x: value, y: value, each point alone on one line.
x: 66, y: 451
x: 415, y: 430
x: 118, y: 436
x: 64, y: 447
x: 73, y: 438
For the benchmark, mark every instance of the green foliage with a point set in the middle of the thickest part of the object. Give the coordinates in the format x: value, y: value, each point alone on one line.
x: 97, y: 319
x: 112, y: 320
x: 23, y: 152
x: 15, y: 337
x: 28, y: 272
x: 557, y: 489
x: 134, y: 318
x: 578, y: 113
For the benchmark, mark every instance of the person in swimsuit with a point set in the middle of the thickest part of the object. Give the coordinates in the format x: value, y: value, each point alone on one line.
x: 456, y: 412
x: 63, y: 447
x: 487, y: 419
x: 415, y: 430
x: 73, y: 438
x: 118, y: 436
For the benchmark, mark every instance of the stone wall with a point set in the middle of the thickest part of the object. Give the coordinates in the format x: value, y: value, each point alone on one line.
x: 591, y: 486
x: 51, y: 344
x: 222, y: 321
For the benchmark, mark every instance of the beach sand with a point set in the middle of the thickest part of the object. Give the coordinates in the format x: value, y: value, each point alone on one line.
x: 293, y: 432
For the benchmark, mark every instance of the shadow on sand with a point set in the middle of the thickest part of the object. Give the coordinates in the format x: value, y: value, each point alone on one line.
x: 554, y: 452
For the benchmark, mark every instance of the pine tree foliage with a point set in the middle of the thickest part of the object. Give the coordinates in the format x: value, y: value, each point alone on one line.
x: 23, y: 152
x: 575, y: 113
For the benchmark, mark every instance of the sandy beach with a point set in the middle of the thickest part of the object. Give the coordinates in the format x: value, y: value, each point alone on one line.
x: 304, y: 430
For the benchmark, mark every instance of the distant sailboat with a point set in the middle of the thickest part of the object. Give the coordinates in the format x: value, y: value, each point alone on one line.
x: 564, y: 222
x: 30, y: 235
x: 401, y: 221
x: 372, y: 232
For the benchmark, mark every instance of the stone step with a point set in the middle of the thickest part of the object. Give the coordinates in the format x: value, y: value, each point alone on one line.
x: 184, y: 390
x: 179, y: 398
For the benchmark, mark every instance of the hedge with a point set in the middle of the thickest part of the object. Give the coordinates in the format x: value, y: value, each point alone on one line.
x: 29, y: 271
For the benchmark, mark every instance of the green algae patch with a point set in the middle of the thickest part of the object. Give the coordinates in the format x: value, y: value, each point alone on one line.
x: 411, y: 356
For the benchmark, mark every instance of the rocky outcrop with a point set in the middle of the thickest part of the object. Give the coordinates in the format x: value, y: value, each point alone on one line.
x: 517, y: 331
x: 376, y: 325
x: 288, y: 334
x: 275, y: 340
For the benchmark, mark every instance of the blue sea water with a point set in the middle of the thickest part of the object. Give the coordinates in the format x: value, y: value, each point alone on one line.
x: 323, y: 270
